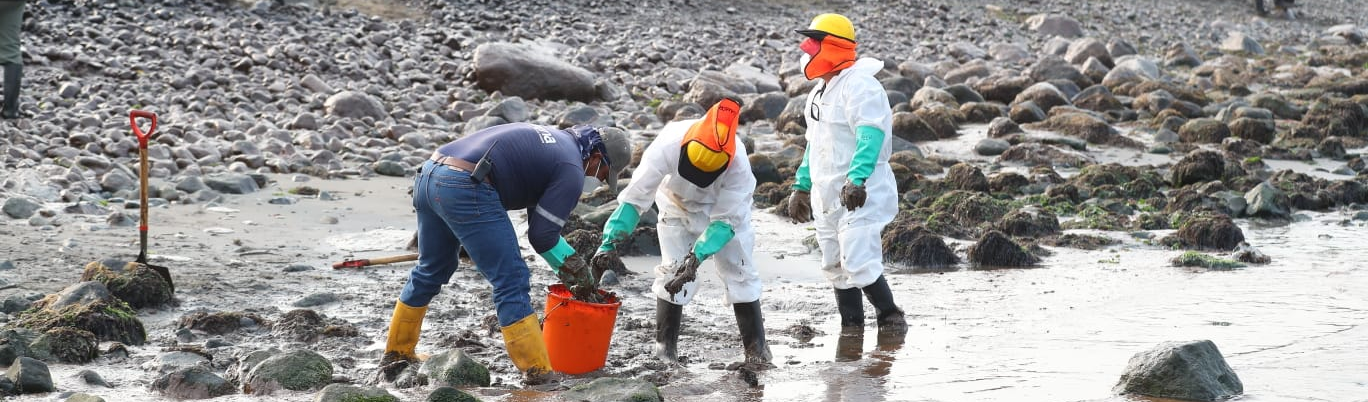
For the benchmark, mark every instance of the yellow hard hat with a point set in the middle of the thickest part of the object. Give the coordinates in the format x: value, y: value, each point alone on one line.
x: 830, y: 24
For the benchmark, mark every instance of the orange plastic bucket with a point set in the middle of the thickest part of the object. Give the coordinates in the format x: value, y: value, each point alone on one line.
x: 577, y: 333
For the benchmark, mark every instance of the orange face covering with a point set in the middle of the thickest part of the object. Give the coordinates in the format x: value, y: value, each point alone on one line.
x: 833, y: 54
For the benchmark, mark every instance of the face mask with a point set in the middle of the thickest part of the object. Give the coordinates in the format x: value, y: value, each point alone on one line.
x: 591, y: 184
x: 805, y: 60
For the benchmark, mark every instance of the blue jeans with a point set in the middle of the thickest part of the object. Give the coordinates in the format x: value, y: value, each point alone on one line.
x: 453, y: 211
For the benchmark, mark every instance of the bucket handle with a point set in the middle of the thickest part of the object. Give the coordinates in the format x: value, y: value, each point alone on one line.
x: 548, y: 312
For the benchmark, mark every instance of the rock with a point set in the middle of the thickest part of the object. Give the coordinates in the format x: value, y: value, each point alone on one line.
x: 449, y: 394
x: 1055, y: 25
x: 1196, y: 259
x: 352, y: 393
x: 133, y: 283
x: 1132, y: 70
x: 929, y: 95
x: 942, y: 120
x: 83, y: 397
x: 175, y: 360
x: 963, y: 176
x: 1044, y: 95
x: 767, y: 106
x: 1248, y: 254
x: 218, y: 323
x: 532, y: 72
x: 1334, y: 117
x: 6, y: 265
x: 1197, y: 167
x: 910, y: 127
x: 1086, y: 127
x: 995, y: 249
x: 88, y: 306
x: 316, y: 299
x: 1029, y: 222
x: 90, y: 377
x: 1002, y: 127
x: 69, y: 90
x: 1260, y: 130
x: 301, y: 325
x: 991, y: 147
x: 299, y: 370
x: 390, y: 168
x: 1008, y: 52
x: 1180, y: 55
x: 1210, y: 232
x: 1097, y: 98
x: 1238, y: 42
x: 1054, y: 68
x: 1084, y: 48
x: 356, y: 105
x: 194, y: 382
x: 1002, y: 89
x: 753, y: 76
x: 66, y: 345
x: 1278, y: 105
x: 1266, y: 201
x: 30, y: 376
x: 577, y: 115
x: 1204, y: 131
x: 313, y: 83
x: 610, y: 389
x: 764, y: 169
x: 232, y: 183
x: 14, y: 343
x: 1095, y: 70
x: 979, y: 112
x: 21, y: 207
x: 1037, y: 154
x: 1026, y: 112
x: 913, y: 245
x: 1192, y: 370
x: 455, y: 368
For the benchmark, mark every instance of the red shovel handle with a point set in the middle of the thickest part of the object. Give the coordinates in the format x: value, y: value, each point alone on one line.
x: 133, y: 120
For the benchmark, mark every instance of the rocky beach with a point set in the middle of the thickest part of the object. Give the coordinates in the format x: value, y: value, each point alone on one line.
x: 1100, y: 200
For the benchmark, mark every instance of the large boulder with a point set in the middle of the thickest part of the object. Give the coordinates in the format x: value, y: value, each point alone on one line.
x: 1335, y: 117
x: 1193, y: 371
x: 88, y: 306
x: 355, y: 105
x: 194, y: 382
x: 1261, y: 130
x: 134, y: 283
x: 995, y: 249
x: 457, y: 369
x: 611, y: 389
x: 1197, y: 167
x: 531, y: 71
x: 299, y: 370
x: 1267, y: 201
x: 66, y: 345
x: 1208, y: 232
x: 21, y: 207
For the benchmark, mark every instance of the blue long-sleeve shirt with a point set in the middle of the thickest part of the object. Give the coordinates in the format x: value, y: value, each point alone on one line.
x: 537, y: 168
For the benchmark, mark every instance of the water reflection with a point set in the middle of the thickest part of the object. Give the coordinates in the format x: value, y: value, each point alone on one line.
x: 866, y: 377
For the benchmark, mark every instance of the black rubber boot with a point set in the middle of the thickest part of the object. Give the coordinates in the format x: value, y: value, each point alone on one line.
x: 668, y: 322
x: 752, y: 327
x: 14, y: 72
x: 890, y: 317
x: 851, y: 307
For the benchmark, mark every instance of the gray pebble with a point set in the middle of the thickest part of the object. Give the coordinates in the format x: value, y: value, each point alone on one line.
x: 316, y: 299
x: 297, y: 268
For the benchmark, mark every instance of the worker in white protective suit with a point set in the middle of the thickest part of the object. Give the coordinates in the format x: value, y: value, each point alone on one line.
x: 844, y: 181
x: 699, y: 175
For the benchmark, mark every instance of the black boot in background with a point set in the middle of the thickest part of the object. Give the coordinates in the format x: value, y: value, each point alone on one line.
x: 752, y: 326
x: 14, y: 72
x: 668, y: 323
x: 890, y: 317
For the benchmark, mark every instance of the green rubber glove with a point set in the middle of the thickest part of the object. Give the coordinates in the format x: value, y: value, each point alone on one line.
x: 556, y: 256
x: 713, y: 239
x: 619, y: 226
x: 868, y: 144
x: 803, y: 181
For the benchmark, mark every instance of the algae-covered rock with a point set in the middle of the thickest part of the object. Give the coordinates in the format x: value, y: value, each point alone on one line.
x: 457, y: 369
x: 132, y: 282
x: 1207, y: 231
x: 299, y: 370
x: 1193, y: 371
x: 218, y: 323
x: 995, y: 249
x: 913, y: 245
x: 1198, y: 259
x: 608, y: 389
x: 352, y: 393
x: 449, y: 394
x: 959, y: 213
x: 194, y: 382
x: 88, y: 306
x: 66, y: 345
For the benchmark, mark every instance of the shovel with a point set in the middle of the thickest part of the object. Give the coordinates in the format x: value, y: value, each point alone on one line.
x: 142, y: 197
x: 366, y: 262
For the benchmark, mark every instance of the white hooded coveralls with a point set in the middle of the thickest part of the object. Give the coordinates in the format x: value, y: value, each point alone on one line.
x: 686, y: 210
x: 850, y: 242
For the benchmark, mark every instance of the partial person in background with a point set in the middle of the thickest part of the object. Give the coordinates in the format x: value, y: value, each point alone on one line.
x: 699, y: 175
x: 845, y: 181
x: 11, y: 23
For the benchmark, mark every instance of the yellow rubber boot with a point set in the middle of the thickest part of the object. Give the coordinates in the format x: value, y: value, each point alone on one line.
x: 403, y: 332
x: 523, y: 340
